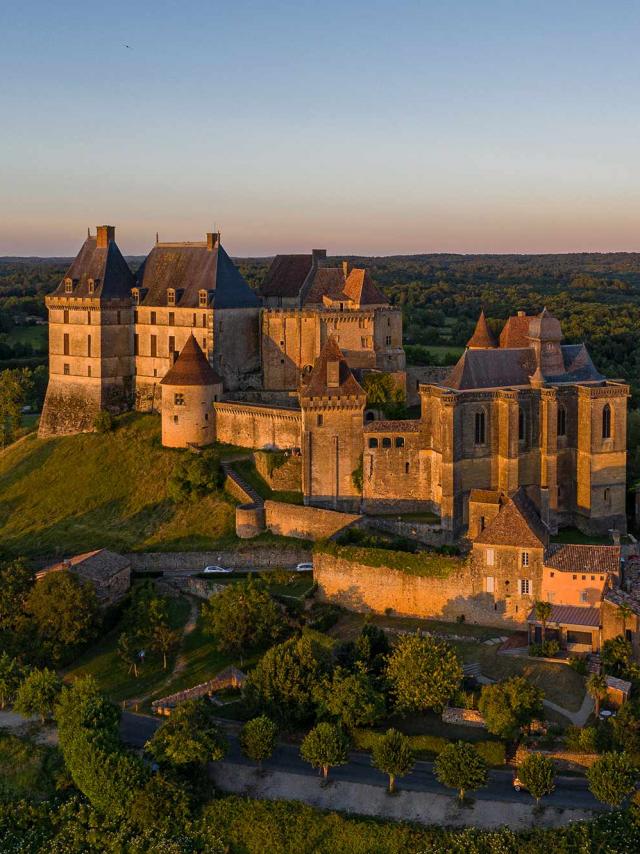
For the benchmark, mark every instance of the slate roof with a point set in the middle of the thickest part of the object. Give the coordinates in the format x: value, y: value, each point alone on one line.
x: 570, y: 615
x: 502, y: 367
x: 191, y: 367
x: 516, y: 524
x: 324, y: 281
x: 578, y: 558
x: 111, y: 274
x: 286, y: 275
x: 360, y: 288
x: 316, y: 384
x: 189, y: 268
x: 482, y: 336
x: 98, y: 565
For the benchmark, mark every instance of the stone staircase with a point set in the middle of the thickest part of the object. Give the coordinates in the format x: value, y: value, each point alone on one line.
x: 595, y: 664
x: 242, y: 484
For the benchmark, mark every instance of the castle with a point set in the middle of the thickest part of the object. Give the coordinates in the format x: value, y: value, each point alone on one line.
x: 283, y: 370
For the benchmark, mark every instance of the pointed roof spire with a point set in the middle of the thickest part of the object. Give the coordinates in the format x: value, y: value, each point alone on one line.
x: 331, y: 375
x: 191, y: 367
x: 482, y: 338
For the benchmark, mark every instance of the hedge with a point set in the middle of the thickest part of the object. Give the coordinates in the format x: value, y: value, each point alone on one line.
x: 493, y: 752
x: 429, y: 564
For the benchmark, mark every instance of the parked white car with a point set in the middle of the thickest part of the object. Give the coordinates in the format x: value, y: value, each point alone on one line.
x: 215, y: 569
x: 304, y: 567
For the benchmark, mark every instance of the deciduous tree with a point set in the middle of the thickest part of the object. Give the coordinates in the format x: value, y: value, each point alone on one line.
x: 37, y: 693
x: 324, y: 747
x: 10, y: 678
x: 423, y: 673
x: 597, y: 689
x: 190, y: 736
x: 164, y: 640
x: 536, y: 774
x: 460, y: 766
x: 507, y: 706
x: 350, y: 698
x: 612, y: 778
x: 258, y: 739
x: 392, y: 755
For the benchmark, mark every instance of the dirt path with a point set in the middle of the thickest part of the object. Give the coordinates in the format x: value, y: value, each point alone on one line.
x: 180, y: 662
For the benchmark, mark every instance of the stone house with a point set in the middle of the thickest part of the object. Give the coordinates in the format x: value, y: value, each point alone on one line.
x: 108, y: 572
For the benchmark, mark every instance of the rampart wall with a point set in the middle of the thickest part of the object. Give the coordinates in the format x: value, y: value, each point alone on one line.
x: 308, y: 523
x: 257, y: 426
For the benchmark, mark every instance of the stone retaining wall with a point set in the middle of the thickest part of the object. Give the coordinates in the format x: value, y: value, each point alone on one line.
x: 463, y: 717
x: 307, y: 523
x: 240, y: 558
x: 423, y: 532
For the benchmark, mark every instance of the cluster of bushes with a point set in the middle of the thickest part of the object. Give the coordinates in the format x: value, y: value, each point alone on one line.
x: 427, y: 746
x: 548, y: 649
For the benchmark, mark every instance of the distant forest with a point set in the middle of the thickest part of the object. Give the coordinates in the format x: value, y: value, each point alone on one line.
x: 595, y: 296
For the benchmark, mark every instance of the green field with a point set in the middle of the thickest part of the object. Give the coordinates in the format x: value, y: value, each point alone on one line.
x: 37, y: 336
x: 71, y: 494
x: 247, y: 471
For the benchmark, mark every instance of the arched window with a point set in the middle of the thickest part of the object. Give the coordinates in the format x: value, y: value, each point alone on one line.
x: 399, y: 441
x: 386, y: 442
x: 480, y: 428
x: 606, y: 422
x: 369, y: 415
x: 522, y: 424
x: 562, y: 421
x: 373, y: 443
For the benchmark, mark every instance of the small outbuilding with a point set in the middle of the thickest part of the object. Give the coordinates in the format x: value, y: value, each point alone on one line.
x: 618, y: 690
x: 189, y: 389
x: 108, y: 572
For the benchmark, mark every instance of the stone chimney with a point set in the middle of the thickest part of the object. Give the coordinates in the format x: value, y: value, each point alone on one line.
x: 105, y: 234
x: 213, y: 238
x: 345, y: 269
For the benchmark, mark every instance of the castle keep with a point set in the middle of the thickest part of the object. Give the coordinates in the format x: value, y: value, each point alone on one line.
x: 283, y: 369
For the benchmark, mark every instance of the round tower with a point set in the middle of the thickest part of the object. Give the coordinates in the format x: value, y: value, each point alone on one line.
x: 189, y: 389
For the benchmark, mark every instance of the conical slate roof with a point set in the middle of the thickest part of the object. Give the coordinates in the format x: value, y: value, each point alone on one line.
x: 482, y: 338
x: 317, y: 384
x: 191, y: 368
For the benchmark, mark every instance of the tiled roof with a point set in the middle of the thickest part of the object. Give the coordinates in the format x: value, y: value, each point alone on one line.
x: 580, y: 558
x: 618, y: 684
x: 570, y: 615
x: 482, y: 336
x: 110, y: 272
x: 515, y: 332
x: 189, y: 268
x: 191, y: 367
x: 360, y: 289
x: 286, y: 275
x: 516, y: 524
x: 617, y: 596
x: 316, y: 384
x: 97, y: 565
x: 324, y: 281
x: 393, y: 427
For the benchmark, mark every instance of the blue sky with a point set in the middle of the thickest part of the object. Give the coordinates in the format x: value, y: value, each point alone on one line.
x: 360, y: 127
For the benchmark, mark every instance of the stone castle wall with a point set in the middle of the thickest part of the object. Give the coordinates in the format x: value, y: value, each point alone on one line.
x: 257, y: 426
x: 379, y: 589
x: 287, y: 476
x: 244, y: 557
x: 307, y: 523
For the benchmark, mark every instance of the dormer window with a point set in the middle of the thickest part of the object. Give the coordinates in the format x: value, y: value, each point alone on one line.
x: 171, y: 297
x: 91, y: 285
x: 202, y: 299
x: 135, y: 296
x: 68, y: 286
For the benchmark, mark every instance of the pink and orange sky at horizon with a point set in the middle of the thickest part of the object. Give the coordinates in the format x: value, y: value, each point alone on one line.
x: 433, y: 126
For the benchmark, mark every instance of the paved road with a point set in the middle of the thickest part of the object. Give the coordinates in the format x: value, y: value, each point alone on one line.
x: 570, y: 791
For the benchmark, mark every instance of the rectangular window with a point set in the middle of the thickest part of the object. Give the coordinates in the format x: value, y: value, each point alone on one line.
x: 584, y: 595
x: 65, y: 316
x: 524, y: 559
x: 373, y: 443
x: 490, y: 557
x: 386, y: 442
x: 194, y: 319
x: 319, y: 420
x: 172, y: 344
x: 175, y: 419
x: 178, y: 399
x: 204, y: 345
x: 118, y: 317
x: 204, y: 321
x: 154, y: 345
x: 65, y: 344
x: 363, y: 342
x: 524, y: 586
x: 89, y: 318
x: 88, y: 345
x: 66, y: 370
x: 152, y: 320
x: 89, y: 371
x: 135, y: 315
x: 489, y: 584
x: 172, y: 318
x: 388, y: 340
x: 399, y: 441
x: 136, y: 345
x: 406, y: 468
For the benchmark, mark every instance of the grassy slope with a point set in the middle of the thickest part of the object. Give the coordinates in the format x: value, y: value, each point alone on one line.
x: 71, y: 494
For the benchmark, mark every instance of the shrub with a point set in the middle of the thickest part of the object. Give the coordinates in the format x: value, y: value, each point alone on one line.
x: 460, y: 767
x: 579, y: 664
x: 423, y: 673
x: 550, y: 648
x: 323, y: 615
x: 493, y: 752
x: 103, y: 422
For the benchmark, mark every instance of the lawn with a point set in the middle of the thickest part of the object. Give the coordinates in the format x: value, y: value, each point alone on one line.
x: 247, y: 471
x: 573, y: 535
x: 101, y: 661
x: 560, y: 683
x: 37, y: 336
x: 71, y: 494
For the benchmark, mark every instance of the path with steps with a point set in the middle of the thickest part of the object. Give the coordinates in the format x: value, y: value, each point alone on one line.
x: 233, y: 475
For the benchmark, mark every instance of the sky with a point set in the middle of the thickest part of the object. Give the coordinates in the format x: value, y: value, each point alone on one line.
x: 360, y: 127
